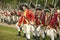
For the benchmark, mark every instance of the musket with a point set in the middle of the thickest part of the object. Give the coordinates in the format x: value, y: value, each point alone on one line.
x: 53, y: 10
x: 43, y: 10
x: 55, y: 4
x: 52, y: 2
x: 45, y: 6
x: 30, y: 3
x: 56, y: 1
x: 36, y: 2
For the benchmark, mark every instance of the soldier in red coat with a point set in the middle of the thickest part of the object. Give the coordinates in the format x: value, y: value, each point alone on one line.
x: 19, y: 13
x: 19, y: 20
x: 29, y: 17
x: 49, y: 23
x: 54, y: 22
x: 26, y: 18
x: 5, y: 16
x: 38, y: 23
x: 36, y: 36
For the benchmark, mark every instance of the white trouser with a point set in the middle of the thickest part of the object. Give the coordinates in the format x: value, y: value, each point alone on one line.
x: 33, y: 30
x: 13, y: 18
x: 17, y: 27
x: 17, y: 18
x: 28, y: 27
x: 59, y: 23
x: 24, y: 28
x: 4, y: 16
x: 38, y: 31
x: 0, y: 17
x: 51, y: 32
x: 8, y: 18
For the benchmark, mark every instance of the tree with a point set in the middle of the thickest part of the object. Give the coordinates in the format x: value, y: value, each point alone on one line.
x: 14, y: 3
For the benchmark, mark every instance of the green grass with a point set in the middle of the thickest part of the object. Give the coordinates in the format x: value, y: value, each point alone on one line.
x: 8, y: 33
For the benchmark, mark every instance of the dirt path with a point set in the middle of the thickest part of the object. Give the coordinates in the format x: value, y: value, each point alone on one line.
x: 5, y: 24
x: 13, y: 26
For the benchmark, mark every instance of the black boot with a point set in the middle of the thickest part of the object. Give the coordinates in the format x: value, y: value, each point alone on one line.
x: 43, y: 38
x: 57, y: 35
x: 21, y: 28
x: 28, y: 39
x: 19, y: 34
x: 24, y: 35
x: 55, y: 38
x: 45, y: 35
x: 38, y: 37
x: 34, y: 37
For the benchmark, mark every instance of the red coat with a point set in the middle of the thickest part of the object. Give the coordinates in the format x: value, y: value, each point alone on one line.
x: 56, y: 21
x: 59, y: 15
x: 42, y: 16
x: 21, y: 19
x: 19, y: 13
x: 53, y: 23
x: 5, y: 13
x: 38, y: 19
x: 27, y: 17
x: 56, y: 15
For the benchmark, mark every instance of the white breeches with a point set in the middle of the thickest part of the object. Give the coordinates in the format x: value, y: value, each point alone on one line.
x: 38, y: 31
x: 8, y: 18
x: 24, y: 28
x: 52, y: 33
x: 14, y: 18
x: 17, y: 26
x: 28, y: 31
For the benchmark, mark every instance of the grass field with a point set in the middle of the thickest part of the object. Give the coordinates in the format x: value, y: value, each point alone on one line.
x: 8, y: 33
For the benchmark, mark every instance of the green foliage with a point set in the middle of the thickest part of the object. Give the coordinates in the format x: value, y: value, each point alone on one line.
x: 58, y: 4
x: 13, y: 3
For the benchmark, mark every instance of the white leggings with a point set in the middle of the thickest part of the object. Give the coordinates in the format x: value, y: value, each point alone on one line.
x: 38, y: 31
x: 51, y: 32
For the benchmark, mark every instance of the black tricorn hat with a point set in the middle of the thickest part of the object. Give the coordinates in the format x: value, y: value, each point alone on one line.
x: 20, y: 7
x: 51, y: 6
x: 39, y: 7
x: 32, y: 5
x: 26, y: 5
x: 47, y: 10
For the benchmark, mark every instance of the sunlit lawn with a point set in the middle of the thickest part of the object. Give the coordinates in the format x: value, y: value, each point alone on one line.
x: 8, y: 33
